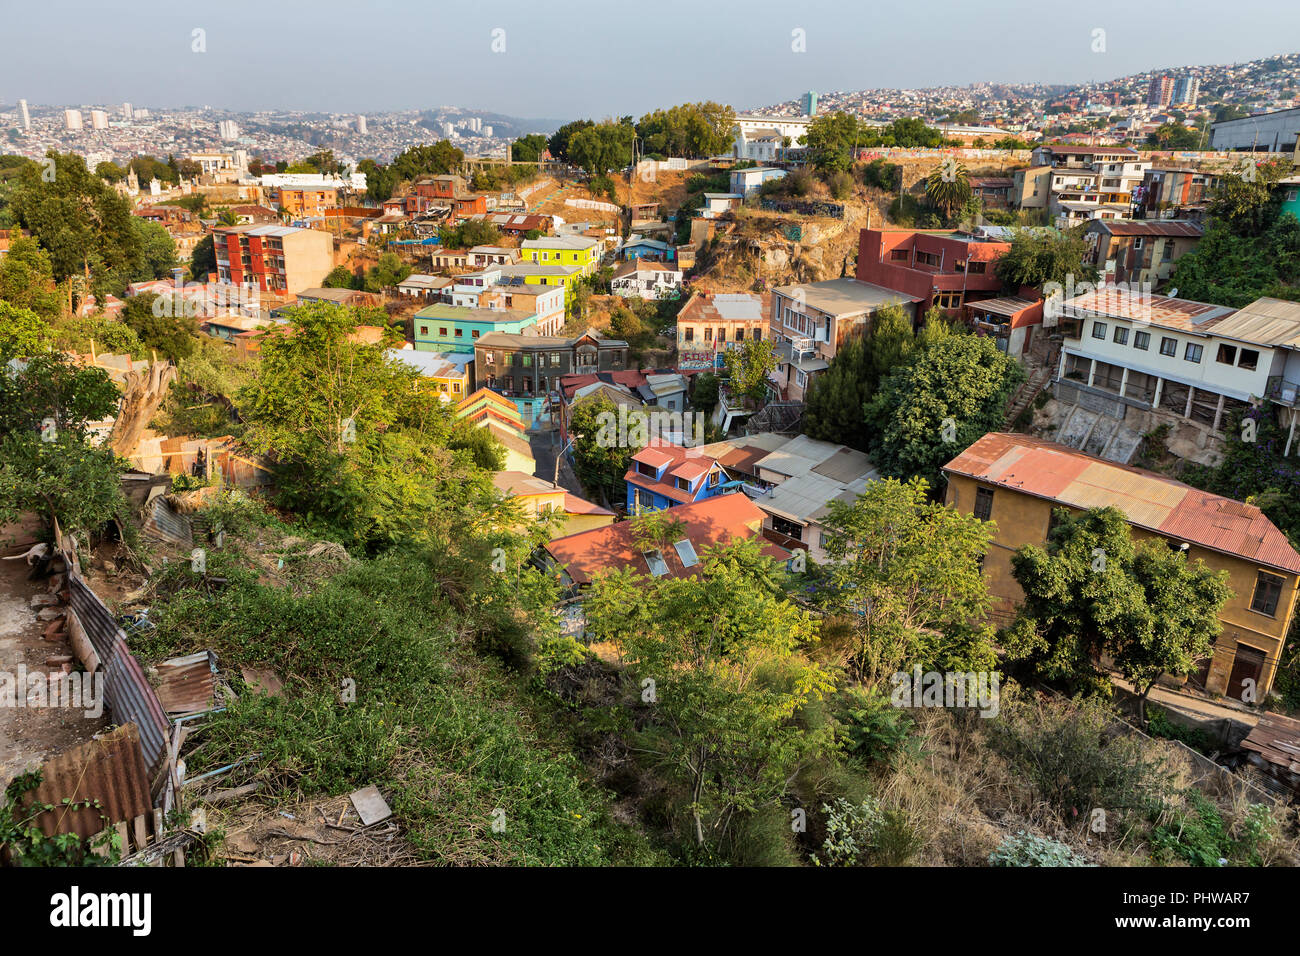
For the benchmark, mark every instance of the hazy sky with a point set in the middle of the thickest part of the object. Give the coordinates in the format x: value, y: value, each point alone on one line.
x: 569, y: 58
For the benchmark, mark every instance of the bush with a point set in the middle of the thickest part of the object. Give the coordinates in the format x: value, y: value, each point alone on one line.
x: 1198, y: 835
x: 865, y: 834
x: 1025, y: 849
x: 873, y: 730
x: 1074, y: 761
x: 840, y: 184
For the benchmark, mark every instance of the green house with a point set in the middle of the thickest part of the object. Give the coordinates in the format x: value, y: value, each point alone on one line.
x: 454, y: 328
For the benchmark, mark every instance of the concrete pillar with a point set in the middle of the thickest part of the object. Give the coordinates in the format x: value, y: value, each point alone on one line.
x: 1155, y: 399
x: 1290, y: 435
x: 1123, y: 382
x: 1187, y: 412
x: 1060, y: 373
x: 1218, y: 412
x: 1092, y: 371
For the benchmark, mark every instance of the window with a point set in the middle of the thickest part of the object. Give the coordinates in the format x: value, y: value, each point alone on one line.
x: 1249, y: 359
x: 1227, y: 354
x: 1121, y: 335
x: 976, y: 268
x: 460, y: 333
x: 1099, y: 330
x: 527, y: 360
x: 1268, y: 592
x: 424, y: 330
x: 757, y: 335
x: 708, y: 334
x: 1167, y: 253
x: 443, y: 333
x: 927, y: 259
x: 555, y: 360
x: 1142, y: 340
x: 644, y: 469
x: 722, y: 335
x: 655, y: 561
x: 686, y: 552
x: 682, y: 484
x: 474, y: 334
x: 1168, y: 346
x: 690, y: 334
x: 983, y: 503
x: 1192, y: 353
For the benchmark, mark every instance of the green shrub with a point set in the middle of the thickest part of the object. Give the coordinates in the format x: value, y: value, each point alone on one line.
x: 1198, y: 835
x: 872, y: 729
x: 866, y: 834
x: 1025, y: 849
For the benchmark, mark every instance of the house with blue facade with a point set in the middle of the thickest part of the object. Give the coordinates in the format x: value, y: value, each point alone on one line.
x: 746, y: 182
x: 451, y: 328
x: 663, y: 476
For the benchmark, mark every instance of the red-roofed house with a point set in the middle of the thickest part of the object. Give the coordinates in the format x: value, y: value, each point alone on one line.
x: 665, y: 476
x: 583, y: 556
x: 541, y: 497
x: 1016, y: 481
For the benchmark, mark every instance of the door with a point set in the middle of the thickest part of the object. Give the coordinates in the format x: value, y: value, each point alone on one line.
x: 1247, y: 665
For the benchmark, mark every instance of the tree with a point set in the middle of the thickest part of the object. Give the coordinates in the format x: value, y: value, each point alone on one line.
x: 528, y: 149
x: 1174, y: 136
x: 928, y: 411
x: 162, y: 325
x: 909, y: 132
x: 355, y: 441
x: 157, y: 250
x: 387, y: 273
x: 836, y: 398
x: 1235, y: 269
x: 470, y: 233
x: 1247, y: 204
x: 1093, y: 591
x: 110, y: 172
x: 831, y: 139
x: 203, y: 260
x: 48, y: 464
x: 704, y: 393
x: 26, y: 277
x: 905, y: 573
x: 84, y: 225
x: 948, y: 188
x: 748, y: 367
x: 558, y: 144
x: 692, y: 130
x: 601, y: 148
x: 340, y: 277
x: 725, y: 654
x: 599, y: 460
x: 1037, y: 257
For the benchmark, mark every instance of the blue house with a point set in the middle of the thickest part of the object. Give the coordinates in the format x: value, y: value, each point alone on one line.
x: 652, y: 249
x: 665, y: 475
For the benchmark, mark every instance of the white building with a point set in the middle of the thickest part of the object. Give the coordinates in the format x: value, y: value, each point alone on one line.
x: 228, y: 130
x: 127, y: 113
x: 1192, y: 360
x: 644, y: 279
x: 98, y: 119
x: 72, y: 120
x: 27, y: 118
x: 361, y: 125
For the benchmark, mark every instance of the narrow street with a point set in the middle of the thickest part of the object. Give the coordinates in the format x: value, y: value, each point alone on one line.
x: 546, y: 447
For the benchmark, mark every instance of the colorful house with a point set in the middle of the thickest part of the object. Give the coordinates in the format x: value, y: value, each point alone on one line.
x: 541, y: 497
x: 541, y: 273
x: 487, y: 409
x: 664, y: 475
x: 1015, y: 481
x: 451, y: 372
x: 449, y: 328
x: 580, y: 251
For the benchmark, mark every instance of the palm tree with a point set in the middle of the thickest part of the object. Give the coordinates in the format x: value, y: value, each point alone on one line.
x: 948, y: 187
x: 228, y: 218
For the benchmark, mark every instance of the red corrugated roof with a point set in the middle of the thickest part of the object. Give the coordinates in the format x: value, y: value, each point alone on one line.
x: 1049, y: 470
x: 712, y: 521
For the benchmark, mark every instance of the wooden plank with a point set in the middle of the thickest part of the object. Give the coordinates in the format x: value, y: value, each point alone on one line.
x: 141, y: 832
x: 124, y: 844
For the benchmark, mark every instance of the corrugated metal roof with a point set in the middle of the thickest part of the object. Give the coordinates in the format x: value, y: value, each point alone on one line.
x: 1176, y: 229
x: 109, y: 769
x: 1178, y: 511
x: 186, y: 685
x: 1266, y: 321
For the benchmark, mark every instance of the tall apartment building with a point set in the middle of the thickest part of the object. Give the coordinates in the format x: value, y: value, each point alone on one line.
x: 283, y: 260
x: 127, y: 113
x: 1090, y: 182
x: 27, y: 117
x: 361, y: 125
x: 228, y: 130
x: 810, y: 103
x: 1161, y: 91
x: 1186, y: 90
x: 72, y: 120
x: 98, y: 119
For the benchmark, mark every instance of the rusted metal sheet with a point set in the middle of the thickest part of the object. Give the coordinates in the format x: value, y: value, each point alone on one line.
x: 95, y: 618
x: 186, y: 684
x: 109, y: 770
x: 165, y: 523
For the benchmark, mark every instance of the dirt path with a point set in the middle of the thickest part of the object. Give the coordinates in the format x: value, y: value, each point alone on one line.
x: 30, y: 735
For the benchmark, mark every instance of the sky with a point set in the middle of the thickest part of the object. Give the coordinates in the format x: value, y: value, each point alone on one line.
x: 576, y: 58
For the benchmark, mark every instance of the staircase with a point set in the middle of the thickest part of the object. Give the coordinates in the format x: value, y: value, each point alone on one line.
x: 1025, y: 395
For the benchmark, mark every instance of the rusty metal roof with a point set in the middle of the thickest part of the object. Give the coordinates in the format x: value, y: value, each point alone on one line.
x: 1265, y: 321
x: 109, y: 769
x: 1171, y: 228
x: 186, y: 685
x: 1277, y: 740
x: 1184, y: 315
x: 1049, y: 470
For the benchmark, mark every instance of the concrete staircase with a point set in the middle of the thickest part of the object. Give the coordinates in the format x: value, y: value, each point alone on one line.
x: 1026, y: 394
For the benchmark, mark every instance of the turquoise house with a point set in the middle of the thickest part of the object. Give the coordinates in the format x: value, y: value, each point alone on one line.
x: 455, y: 328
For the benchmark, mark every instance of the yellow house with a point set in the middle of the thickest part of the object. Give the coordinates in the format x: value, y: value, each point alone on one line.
x: 447, y: 373
x: 1015, y: 481
x: 547, y: 274
x: 541, y: 497
x: 580, y: 251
